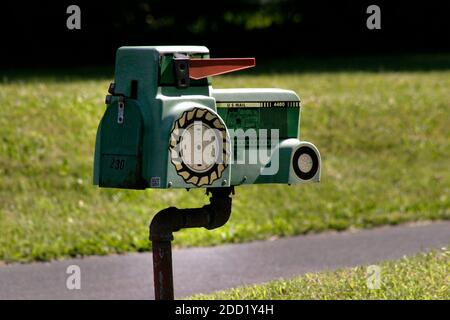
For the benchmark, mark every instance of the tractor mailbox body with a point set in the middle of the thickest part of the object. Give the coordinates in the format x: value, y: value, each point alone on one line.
x: 163, y: 116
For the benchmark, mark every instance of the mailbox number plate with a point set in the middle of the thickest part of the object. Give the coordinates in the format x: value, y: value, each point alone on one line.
x: 117, y: 164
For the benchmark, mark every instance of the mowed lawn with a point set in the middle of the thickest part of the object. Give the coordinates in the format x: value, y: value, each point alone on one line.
x: 383, y: 136
x: 424, y: 276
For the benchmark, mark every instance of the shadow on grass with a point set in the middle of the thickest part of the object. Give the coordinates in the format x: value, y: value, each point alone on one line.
x: 302, y: 64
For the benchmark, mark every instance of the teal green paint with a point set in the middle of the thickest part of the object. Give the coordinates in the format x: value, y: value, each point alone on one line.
x: 121, y: 148
x: 166, y: 74
x: 293, y: 122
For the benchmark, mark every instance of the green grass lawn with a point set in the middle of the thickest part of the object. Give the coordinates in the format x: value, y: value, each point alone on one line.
x: 425, y: 276
x: 384, y: 139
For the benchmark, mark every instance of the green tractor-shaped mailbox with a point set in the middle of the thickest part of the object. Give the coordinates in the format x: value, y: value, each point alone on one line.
x: 166, y: 127
x: 155, y: 131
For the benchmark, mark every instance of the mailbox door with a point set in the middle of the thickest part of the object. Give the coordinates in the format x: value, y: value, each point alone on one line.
x: 121, y: 147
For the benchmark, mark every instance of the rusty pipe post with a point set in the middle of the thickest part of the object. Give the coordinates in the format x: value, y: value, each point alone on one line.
x: 172, y: 219
x: 162, y: 270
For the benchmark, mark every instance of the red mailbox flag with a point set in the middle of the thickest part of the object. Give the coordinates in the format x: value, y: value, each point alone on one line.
x: 202, y: 68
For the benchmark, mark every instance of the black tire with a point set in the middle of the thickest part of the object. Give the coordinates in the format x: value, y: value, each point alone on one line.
x: 315, y: 163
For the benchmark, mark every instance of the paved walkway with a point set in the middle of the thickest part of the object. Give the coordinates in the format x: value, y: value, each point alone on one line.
x: 202, y: 270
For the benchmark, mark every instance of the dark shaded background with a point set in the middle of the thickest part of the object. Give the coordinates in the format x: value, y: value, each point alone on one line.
x: 34, y: 34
